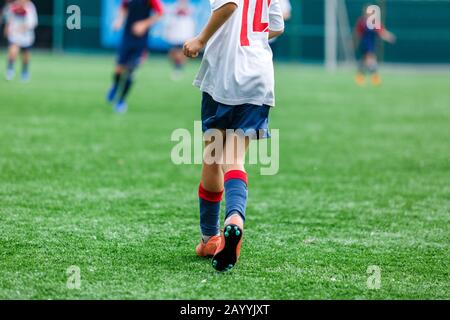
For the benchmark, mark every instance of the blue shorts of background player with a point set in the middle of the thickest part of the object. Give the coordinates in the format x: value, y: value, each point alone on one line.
x: 367, y: 47
x: 131, y: 57
x: 253, y: 120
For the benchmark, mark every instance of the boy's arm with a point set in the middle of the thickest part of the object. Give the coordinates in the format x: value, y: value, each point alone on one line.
x: 218, y: 18
x: 141, y: 27
x: 274, y: 34
x: 121, y: 16
x: 276, y: 19
x: 387, y: 36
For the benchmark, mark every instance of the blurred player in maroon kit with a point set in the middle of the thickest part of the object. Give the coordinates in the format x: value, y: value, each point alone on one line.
x: 366, y: 38
x: 137, y: 17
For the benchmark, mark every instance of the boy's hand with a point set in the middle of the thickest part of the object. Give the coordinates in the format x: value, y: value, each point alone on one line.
x: 193, y: 47
x: 392, y: 38
x: 140, y: 28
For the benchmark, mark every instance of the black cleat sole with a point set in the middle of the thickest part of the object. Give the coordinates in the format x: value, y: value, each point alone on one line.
x: 226, y: 259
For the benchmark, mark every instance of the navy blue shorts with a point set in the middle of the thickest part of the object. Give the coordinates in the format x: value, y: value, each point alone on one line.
x: 130, y: 56
x: 250, y: 118
x: 367, y: 48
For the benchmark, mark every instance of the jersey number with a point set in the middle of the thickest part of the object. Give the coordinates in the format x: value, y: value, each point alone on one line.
x: 258, y: 25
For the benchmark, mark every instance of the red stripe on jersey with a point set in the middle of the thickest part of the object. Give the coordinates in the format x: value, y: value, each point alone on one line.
x: 245, y: 42
x: 258, y: 25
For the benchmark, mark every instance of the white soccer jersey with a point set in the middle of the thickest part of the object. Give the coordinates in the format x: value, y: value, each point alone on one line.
x: 22, y: 20
x: 237, y: 66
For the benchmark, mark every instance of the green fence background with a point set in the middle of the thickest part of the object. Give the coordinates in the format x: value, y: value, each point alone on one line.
x: 422, y: 27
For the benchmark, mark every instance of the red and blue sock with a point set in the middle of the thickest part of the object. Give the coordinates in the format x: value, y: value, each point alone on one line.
x: 236, y: 193
x: 209, y: 211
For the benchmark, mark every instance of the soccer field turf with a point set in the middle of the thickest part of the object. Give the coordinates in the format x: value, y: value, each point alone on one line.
x: 364, y: 181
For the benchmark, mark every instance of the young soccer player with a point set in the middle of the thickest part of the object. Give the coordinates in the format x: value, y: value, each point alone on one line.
x: 21, y: 20
x: 236, y: 78
x: 180, y: 27
x: 366, y: 39
x: 137, y: 17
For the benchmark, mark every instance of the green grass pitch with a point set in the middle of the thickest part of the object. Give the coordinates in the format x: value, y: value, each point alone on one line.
x: 364, y: 180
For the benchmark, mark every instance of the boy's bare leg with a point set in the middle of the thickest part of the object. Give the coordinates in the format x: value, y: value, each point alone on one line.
x: 235, y: 182
x: 119, y: 69
x: 235, y: 150
x: 372, y: 67
x: 26, y: 55
x: 179, y: 60
x: 212, y: 174
x: 212, y: 177
x: 13, y: 51
x: 233, y: 167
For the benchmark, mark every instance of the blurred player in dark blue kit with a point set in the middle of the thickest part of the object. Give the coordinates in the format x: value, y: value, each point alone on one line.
x: 366, y: 39
x: 137, y: 17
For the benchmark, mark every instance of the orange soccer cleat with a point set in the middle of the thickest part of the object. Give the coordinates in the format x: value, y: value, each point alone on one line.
x: 228, y: 252
x: 360, y: 79
x: 208, y: 249
x: 376, y: 80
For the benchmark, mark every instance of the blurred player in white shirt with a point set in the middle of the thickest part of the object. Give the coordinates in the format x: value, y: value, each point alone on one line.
x: 21, y: 20
x: 180, y: 26
x: 236, y: 78
x: 286, y: 8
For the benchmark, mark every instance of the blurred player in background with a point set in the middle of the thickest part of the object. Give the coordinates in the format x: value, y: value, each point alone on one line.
x: 286, y: 8
x: 236, y: 79
x: 366, y: 39
x: 20, y: 21
x: 137, y: 17
x: 180, y: 26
